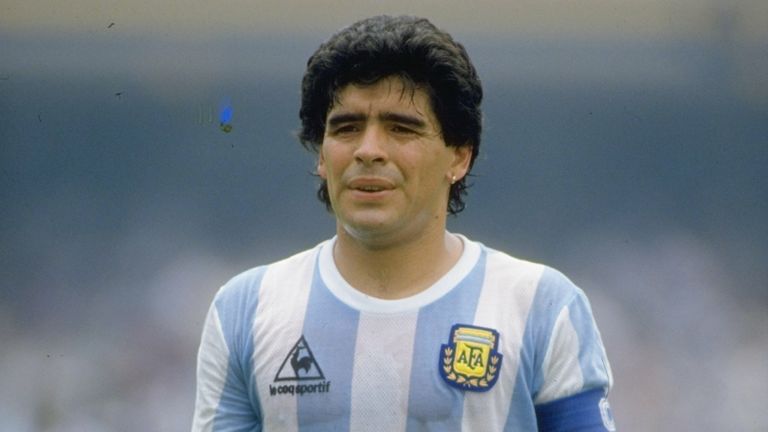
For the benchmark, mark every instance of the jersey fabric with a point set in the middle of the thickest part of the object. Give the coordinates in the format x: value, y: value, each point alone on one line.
x: 497, y: 344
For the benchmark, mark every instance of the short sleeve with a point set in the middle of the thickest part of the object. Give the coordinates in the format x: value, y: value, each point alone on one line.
x: 212, y: 369
x: 226, y: 399
x: 575, y: 358
x: 572, y: 374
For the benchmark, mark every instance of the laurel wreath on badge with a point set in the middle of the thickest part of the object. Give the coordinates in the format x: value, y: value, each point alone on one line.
x: 464, y: 381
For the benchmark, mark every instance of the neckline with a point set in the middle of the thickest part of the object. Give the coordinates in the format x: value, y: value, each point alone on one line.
x: 355, y: 299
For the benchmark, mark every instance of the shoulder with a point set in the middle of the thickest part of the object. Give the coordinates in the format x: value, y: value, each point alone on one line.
x: 508, y: 270
x: 549, y: 285
x: 556, y: 291
x: 246, y: 287
x: 546, y: 291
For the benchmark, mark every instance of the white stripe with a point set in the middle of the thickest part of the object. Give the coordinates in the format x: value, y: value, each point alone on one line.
x: 561, y: 368
x: 505, y: 301
x: 278, y: 325
x: 382, y: 356
x: 211, y: 372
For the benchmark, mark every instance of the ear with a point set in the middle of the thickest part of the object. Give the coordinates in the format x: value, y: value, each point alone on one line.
x: 462, y: 156
x: 321, y: 164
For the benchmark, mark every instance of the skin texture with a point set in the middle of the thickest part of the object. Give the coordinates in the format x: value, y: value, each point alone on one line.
x: 389, y: 172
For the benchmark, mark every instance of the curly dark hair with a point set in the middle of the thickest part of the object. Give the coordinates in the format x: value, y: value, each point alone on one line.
x: 417, y: 52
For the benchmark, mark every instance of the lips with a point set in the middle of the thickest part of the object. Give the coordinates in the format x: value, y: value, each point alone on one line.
x: 369, y: 188
x: 370, y: 184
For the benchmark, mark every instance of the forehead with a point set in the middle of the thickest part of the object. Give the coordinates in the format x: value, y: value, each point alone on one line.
x: 386, y: 94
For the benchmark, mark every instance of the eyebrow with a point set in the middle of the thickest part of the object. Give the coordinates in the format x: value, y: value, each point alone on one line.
x: 341, y: 118
x: 405, y: 119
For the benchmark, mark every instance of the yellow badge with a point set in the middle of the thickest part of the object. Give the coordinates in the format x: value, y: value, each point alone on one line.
x: 471, y: 360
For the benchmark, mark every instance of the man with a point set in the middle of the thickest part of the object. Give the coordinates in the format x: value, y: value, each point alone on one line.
x: 396, y: 324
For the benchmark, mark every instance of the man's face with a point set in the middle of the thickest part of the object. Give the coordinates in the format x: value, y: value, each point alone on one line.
x: 386, y: 164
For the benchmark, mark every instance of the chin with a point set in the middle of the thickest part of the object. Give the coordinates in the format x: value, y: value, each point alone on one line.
x: 370, y: 218
x: 365, y: 228
x: 368, y: 228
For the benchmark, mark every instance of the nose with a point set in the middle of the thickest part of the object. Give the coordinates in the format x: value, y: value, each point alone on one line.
x: 371, y: 148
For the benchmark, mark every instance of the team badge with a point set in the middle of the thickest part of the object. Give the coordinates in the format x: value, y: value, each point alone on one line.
x: 471, y: 360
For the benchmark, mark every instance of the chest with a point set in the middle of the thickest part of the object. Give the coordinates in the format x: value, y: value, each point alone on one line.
x: 400, y: 372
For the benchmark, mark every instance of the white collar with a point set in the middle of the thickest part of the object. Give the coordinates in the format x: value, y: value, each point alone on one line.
x: 365, y: 303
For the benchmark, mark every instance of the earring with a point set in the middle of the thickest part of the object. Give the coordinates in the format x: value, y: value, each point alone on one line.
x: 453, y: 179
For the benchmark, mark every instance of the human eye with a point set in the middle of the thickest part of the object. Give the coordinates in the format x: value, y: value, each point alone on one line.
x: 344, y: 129
x: 399, y: 129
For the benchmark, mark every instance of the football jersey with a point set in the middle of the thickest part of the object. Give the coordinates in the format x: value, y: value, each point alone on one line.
x: 496, y: 344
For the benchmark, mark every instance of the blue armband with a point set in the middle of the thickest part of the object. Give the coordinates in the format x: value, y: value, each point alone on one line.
x: 583, y: 412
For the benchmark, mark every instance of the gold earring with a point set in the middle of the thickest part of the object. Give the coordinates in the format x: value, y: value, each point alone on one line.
x: 453, y: 179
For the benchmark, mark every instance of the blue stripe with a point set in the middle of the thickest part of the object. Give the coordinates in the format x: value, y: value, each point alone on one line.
x: 330, y: 329
x: 434, y: 405
x: 236, y: 304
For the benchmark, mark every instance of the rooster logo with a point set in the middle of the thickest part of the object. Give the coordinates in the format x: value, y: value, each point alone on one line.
x: 302, y: 363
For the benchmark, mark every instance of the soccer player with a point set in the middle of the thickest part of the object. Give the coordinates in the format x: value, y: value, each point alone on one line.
x: 395, y: 324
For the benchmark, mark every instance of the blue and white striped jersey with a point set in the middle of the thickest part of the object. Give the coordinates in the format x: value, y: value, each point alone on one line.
x: 496, y: 344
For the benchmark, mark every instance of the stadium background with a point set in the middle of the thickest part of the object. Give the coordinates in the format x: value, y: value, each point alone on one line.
x: 625, y: 143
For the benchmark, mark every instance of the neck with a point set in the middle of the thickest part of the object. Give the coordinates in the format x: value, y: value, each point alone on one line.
x: 398, y: 270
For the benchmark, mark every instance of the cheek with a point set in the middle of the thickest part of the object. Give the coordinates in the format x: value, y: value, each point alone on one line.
x: 331, y: 163
x: 428, y: 169
x: 413, y: 162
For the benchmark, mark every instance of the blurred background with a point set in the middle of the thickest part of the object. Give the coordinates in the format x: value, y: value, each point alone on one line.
x: 625, y: 143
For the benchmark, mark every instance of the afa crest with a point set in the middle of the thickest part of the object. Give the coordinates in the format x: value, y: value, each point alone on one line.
x: 471, y: 360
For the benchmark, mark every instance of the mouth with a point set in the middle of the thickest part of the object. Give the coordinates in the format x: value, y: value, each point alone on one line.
x: 371, y: 186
